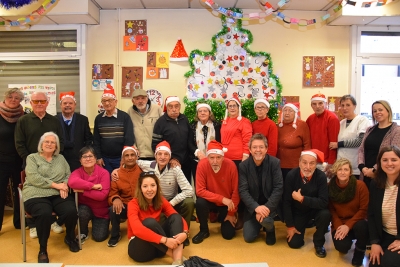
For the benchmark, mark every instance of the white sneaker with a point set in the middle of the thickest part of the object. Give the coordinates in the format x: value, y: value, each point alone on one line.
x: 33, y: 233
x: 83, y: 238
x: 56, y: 228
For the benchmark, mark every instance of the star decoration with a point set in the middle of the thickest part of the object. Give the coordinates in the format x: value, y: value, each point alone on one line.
x: 235, y: 36
x: 236, y: 82
x: 308, y: 75
x: 194, y: 93
x: 237, y: 42
x: 247, y: 64
x: 221, y: 40
x: 257, y: 69
x: 196, y: 86
x: 229, y: 73
x: 319, y: 75
x: 308, y: 60
x: 266, y: 95
x: 229, y: 58
x: 129, y: 24
x: 329, y: 59
x: 245, y: 73
x: 215, y: 63
x: 270, y: 84
x: 211, y: 89
x: 332, y: 100
x: 217, y: 72
x: 254, y: 82
x: 210, y: 81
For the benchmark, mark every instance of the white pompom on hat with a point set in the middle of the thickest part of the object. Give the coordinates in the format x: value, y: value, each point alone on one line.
x: 215, y: 147
x: 236, y: 99
x: 296, y: 112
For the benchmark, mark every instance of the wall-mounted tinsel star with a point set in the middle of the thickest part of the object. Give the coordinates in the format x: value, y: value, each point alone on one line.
x: 8, y: 4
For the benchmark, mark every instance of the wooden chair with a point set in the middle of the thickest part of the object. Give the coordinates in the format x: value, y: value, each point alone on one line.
x: 24, y: 215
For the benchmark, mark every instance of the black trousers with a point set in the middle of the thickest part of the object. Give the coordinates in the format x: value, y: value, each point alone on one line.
x: 142, y: 251
x: 389, y: 258
x: 115, y: 220
x: 41, y: 208
x: 187, y: 169
x: 322, y: 219
x: 10, y: 170
x: 359, y: 232
x: 203, y: 207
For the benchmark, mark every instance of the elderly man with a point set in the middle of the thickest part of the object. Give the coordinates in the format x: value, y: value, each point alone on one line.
x: 306, y: 197
x: 113, y: 129
x: 144, y: 115
x: 122, y: 191
x: 260, y: 189
x: 75, y: 128
x: 324, y: 128
x: 217, y: 189
x: 28, y: 131
x: 174, y: 128
x: 265, y: 125
x: 170, y: 180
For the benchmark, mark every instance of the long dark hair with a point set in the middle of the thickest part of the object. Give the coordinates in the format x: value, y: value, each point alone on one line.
x: 381, y: 176
x: 157, y: 200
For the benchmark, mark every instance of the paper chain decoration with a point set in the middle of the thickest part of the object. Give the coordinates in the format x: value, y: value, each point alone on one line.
x: 26, y: 20
x: 269, y: 10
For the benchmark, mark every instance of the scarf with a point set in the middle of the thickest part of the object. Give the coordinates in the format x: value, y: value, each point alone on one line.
x: 342, y: 195
x: 200, y: 142
x: 11, y: 115
x: 68, y: 138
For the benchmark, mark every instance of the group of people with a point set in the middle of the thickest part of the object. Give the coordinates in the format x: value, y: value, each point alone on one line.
x: 138, y: 166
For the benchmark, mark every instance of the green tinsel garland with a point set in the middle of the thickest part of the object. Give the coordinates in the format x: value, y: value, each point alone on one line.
x: 218, y: 106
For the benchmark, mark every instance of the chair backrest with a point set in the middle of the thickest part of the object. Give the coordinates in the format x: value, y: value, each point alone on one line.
x: 23, y: 176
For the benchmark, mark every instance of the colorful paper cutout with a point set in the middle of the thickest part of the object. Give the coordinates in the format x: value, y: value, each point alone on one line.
x: 318, y: 71
x: 132, y: 79
x: 102, y: 74
x: 157, y: 65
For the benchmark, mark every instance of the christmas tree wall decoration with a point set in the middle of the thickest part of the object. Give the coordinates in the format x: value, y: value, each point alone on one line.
x: 231, y: 68
x: 179, y: 53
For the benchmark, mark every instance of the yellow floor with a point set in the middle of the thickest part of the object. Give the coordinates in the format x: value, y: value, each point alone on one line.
x: 214, y: 248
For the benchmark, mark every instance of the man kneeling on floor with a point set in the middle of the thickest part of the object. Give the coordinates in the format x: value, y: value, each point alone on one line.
x: 216, y: 188
x: 260, y: 189
x: 122, y: 191
x: 305, y: 197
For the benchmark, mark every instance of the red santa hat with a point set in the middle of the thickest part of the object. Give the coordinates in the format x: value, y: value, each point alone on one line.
x: 319, y: 155
x: 164, y: 146
x: 215, y: 147
x: 67, y: 94
x: 109, y: 92
x: 261, y: 100
x: 170, y: 99
x: 319, y: 97
x: 296, y: 114
x: 236, y: 99
x: 203, y: 105
x: 130, y: 148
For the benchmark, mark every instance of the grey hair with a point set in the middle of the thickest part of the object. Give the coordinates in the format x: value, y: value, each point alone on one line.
x: 258, y: 136
x: 11, y: 91
x: 41, y: 140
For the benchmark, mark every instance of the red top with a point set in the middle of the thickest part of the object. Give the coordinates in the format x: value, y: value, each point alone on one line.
x: 136, y: 216
x: 291, y: 142
x: 215, y: 186
x: 323, y: 130
x: 268, y: 128
x: 235, y: 136
x: 353, y: 211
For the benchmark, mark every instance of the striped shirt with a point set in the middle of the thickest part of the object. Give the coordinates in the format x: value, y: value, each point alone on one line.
x: 389, y: 210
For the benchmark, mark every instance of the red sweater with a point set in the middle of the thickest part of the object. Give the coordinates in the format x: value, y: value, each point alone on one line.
x: 323, y: 130
x: 353, y: 211
x: 268, y: 128
x: 215, y: 186
x: 291, y: 142
x: 235, y: 136
x: 136, y: 216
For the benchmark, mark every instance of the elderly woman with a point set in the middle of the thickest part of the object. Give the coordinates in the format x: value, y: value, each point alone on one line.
x: 148, y: 239
x: 265, y: 125
x: 10, y: 162
x: 384, y: 209
x: 351, y: 133
x: 293, y: 137
x: 384, y: 132
x: 45, y: 190
x: 94, y: 182
x: 348, y: 204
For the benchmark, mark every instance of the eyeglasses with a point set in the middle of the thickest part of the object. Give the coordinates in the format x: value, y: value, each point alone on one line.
x: 260, y: 108
x: 144, y: 174
x: 88, y: 157
x: 49, y: 142
x: 232, y: 106
x: 39, y: 101
x: 107, y: 101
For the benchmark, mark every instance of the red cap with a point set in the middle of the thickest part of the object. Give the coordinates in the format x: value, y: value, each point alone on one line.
x: 215, y: 147
x: 170, y: 99
x: 109, y: 92
x: 164, y: 145
x: 67, y: 94
x: 319, y: 96
x: 319, y: 155
x: 132, y: 148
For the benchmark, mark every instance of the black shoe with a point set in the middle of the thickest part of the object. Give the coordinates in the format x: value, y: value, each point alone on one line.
x: 271, y: 238
x: 193, y: 218
x: 73, y: 245
x: 310, y: 223
x: 320, y: 252
x: 358, y: 257
x: 113, y: 242
x: 197, y: 239
x: 186, y: 242
x: 43, y: 257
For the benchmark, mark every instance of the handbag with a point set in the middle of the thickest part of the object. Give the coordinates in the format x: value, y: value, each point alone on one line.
x: 195, y: 261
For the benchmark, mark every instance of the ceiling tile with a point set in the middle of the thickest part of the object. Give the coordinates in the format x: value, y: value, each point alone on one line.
x: 123, y: 4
